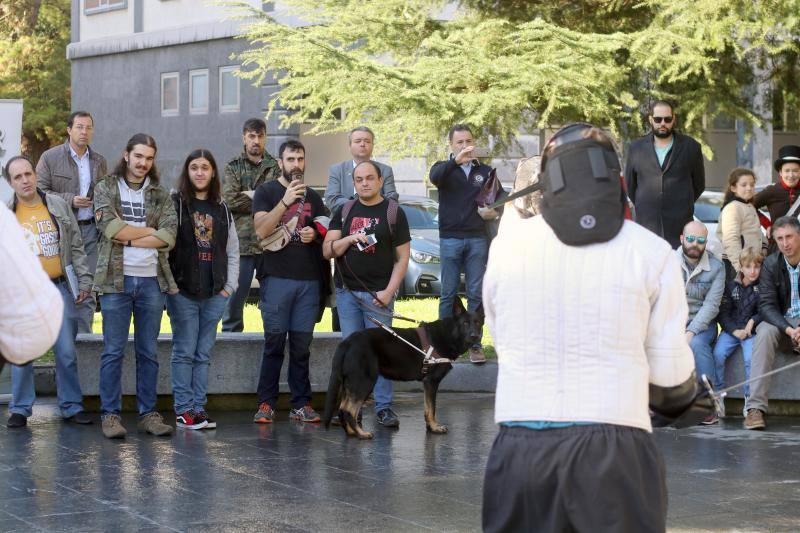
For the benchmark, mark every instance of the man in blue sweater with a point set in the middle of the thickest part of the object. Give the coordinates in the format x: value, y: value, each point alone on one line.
x: 463, y: 242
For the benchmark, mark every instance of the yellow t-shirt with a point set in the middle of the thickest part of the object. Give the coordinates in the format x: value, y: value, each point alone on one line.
x: 41, y: 234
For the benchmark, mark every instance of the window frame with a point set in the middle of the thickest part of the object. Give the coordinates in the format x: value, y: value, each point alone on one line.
x: 230, y: 108
x: 193, y: 74
x: 171, y: 112
x: 123, y: 4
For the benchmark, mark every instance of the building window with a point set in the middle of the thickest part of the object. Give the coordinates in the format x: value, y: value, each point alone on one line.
x: 198, y: 91
x: 170, y: 95
x: 90, y: 7
x: 228, y: 89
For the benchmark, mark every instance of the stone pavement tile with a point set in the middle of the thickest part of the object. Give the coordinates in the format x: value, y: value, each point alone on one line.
x: 9, y: 524
x: 97, y: 521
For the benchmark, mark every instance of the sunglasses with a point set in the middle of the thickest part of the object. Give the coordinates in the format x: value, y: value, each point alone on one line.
x: 691, y: 238
x: 665, y: 120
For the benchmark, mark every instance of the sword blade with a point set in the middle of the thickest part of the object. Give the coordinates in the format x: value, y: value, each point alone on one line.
x: 520, y: 193
x: 762, y: 376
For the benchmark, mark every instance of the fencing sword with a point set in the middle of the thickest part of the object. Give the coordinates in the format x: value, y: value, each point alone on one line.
x: 519, y: 194
x: 719, y: 396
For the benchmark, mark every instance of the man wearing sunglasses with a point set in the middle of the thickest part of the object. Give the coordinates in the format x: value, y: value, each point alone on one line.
x: 665, y: 175
x: 704, y: 276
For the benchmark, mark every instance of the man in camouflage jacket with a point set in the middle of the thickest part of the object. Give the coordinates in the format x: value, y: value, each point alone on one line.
x: 137, y: 223
x: 243, y: 175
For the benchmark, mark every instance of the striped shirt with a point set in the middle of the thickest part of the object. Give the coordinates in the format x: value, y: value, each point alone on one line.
x: 794, y: 308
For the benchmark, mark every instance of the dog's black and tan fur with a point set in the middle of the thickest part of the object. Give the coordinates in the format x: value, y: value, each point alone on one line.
x: 366, y: 353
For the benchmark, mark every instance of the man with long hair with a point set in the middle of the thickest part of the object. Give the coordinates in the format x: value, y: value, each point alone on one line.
x: 137, y: 225
x: 205, y: 265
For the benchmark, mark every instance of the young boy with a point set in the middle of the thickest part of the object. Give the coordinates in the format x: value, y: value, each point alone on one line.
x: 738, y: 316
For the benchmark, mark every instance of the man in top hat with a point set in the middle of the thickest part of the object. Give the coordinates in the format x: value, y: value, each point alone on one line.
x: 780, y: 196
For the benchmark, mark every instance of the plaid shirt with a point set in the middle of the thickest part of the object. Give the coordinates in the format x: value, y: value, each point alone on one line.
x: 794, y: 308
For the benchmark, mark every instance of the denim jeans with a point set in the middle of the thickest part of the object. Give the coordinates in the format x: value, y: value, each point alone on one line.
x: 233, y: 319
x: 86, y: 309
x: 194, y: 331
x: 726, y: 345
x: 142, y: 298
x: 287, y: 306
x: 68, y: 388
x: 462, y: 255
x: 703, y: 352
x: 352, y: 318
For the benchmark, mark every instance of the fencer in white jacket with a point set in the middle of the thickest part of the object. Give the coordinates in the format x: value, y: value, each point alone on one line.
x: 587, y: 311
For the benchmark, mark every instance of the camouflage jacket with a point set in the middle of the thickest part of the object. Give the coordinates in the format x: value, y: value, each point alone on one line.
x: 109, y: 276
x: 242, y: 175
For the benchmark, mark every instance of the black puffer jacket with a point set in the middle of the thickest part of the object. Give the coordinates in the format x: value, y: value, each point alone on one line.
x: 739, y: 305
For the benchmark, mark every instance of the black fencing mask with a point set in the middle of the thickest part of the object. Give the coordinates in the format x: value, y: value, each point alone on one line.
x: 583, y: 198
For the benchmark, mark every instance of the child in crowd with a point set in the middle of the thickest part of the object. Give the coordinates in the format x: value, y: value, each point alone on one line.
x: 738, y: 316
x: 739, y: 226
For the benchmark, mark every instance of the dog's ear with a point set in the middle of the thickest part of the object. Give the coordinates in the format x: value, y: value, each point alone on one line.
x: 480, y: 313
x: 458, y: 307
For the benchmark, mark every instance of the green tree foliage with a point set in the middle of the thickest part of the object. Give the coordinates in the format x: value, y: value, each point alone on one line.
x: 33, y: 67
x: 411, y: 68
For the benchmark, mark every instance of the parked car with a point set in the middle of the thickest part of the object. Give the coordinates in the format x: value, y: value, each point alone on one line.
x: 423, y: 277
x: 707, y: 209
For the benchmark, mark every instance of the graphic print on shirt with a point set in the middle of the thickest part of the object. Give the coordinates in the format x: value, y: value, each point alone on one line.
x: 203, y: 234
x: 367, y: 226
x: 133, y: 210
x: 41, y: 237
x: 305, y: 216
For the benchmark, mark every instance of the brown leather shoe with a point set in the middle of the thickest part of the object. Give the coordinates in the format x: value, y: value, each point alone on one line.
x: 754, y: 419
x: 476, y: 355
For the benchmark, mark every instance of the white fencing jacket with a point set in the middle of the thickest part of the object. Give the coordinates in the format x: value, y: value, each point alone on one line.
x: 580, y: 331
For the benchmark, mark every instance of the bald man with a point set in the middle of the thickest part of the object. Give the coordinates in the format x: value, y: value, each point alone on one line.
x: 704, y: 276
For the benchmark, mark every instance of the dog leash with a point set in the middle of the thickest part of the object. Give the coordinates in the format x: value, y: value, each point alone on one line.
x: 428, y: 358
x: 386, y: 311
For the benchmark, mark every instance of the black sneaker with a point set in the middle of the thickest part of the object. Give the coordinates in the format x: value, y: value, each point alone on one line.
x: 190, y: 420
x: 80, y: 418
x: 210, y: 424
x: 387, y: 418
x: 16, y: 420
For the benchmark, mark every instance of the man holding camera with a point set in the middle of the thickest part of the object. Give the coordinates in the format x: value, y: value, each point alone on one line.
x: 372, y: 237
x: 463, y: 241
x: 292, y: 280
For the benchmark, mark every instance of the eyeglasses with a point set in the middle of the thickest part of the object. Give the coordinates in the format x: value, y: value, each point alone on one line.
x: 665, y: 120
x: 691, y: 238
x: 81, y: 127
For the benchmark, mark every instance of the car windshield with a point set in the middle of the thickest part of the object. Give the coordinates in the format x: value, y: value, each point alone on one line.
x: 708, y: 208
x: 421, y: 215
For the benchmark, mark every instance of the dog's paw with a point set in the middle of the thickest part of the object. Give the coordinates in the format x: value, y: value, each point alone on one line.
x: 366, y: 435
x: 438, y: 429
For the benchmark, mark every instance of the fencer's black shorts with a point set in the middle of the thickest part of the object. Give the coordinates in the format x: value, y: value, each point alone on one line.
x: 590, y: 478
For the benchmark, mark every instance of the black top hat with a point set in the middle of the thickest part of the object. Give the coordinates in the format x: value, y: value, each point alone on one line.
x: 787, y: 154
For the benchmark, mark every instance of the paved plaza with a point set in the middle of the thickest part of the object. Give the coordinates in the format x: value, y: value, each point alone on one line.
x: 294, y: 477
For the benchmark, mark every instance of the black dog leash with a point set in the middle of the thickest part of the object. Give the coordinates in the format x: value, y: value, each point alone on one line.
x: 361, y: 304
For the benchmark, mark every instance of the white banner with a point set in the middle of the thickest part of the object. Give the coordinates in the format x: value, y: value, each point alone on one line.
x: 10, y: 138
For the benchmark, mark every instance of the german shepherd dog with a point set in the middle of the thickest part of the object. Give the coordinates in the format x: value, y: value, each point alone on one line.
x: 363, y: 355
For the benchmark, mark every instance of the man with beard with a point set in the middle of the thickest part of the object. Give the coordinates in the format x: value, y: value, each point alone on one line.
x: 704, y: 276
x: 243, y: 175
x: 664, y: 175
x: 292, y: 280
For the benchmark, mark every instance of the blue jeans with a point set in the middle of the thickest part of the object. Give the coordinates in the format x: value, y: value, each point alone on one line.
x: 142, y: 298
x: 233, y: 319
x: 194, y: 331
x: 287, y: 306
x: 68, y: 388
x: 352, y: 318
x: 726, y: 345
x: 462, y: 255
x: 703, y: 353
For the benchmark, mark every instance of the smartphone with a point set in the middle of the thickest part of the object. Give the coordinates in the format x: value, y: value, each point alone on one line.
x: 480, y: 152
x: 371, y: 240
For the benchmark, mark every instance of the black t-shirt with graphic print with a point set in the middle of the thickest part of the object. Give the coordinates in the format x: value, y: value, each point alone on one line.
x: 374, y: 265
x: 203, y: 224
x: 296, y: 260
